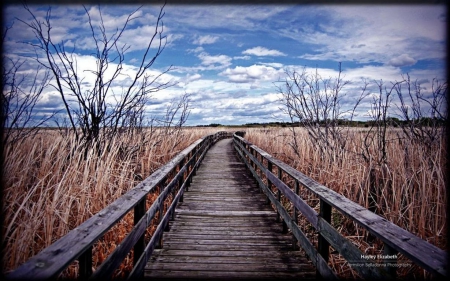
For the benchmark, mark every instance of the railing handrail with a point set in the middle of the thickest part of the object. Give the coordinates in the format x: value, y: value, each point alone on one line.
x: 395, y: 238
x: 77, y: 244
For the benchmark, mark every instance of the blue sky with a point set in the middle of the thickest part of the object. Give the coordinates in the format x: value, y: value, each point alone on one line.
x: 230, y: 57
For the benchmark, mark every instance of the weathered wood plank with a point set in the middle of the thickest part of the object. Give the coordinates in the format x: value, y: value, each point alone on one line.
x: 350, y: 252
x: 321, y: 265
x: 116, y: 257
x: 228, y: 275
x: 209, y: 229
x: 291, y: 259
x: 226, y: 236
x: 256, y: 267
x: 138, y: 269
x: 232, y: 246
x: 224, y: 219
x: 227, y: 213
x: 242, y: 242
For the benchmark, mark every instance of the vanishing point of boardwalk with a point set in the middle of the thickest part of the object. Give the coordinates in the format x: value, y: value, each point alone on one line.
x: 224, y: 229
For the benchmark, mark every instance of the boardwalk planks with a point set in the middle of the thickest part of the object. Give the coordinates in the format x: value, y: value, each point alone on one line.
x: 224, y: 229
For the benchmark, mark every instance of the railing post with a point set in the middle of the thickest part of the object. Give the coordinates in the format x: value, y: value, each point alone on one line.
x: 175, y: 190
x: 280, y: 176
x: 190, y: 169
x: 390, y: 262
x: 160, y: 217
x: 252, y: 152
x: 139, y: 212
x: 295, y: 245
x: 323, y: 245
x: 180, y: 180
x: 85, y: 264
x: 279, y: 197
x: 192, y: 160
x: 186, y: 186
x: 255, y: 155
x: 198, y: 153
x: 269, y: 183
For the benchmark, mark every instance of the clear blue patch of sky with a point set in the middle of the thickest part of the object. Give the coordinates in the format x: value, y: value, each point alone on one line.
x: 436, y: 64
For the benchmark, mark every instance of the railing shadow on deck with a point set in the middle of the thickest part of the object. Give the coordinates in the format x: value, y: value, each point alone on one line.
x: 395, y: 239
x: 172, y: 178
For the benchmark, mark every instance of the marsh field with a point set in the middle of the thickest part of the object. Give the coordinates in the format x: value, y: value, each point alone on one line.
x: 51, y: 186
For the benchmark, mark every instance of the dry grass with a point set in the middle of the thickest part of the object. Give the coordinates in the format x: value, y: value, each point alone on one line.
x: 412, y: 184
x: 51, y: 187
x: 47, y: 193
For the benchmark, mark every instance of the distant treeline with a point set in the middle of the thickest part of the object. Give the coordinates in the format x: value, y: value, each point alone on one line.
x: 390, y: 121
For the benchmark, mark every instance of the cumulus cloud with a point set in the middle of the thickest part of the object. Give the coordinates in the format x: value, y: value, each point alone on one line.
x: 218, y: 61
x: 207, y: 39
x: 262, y: 52
x: 242, y: 57
x: 194, y: 77
x: 274, y: 64
x: 251, y: 74
x: 402, y: 60
x: 196, y: 50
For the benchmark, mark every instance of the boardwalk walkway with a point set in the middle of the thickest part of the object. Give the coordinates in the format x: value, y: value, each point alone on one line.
x: 225, y: 230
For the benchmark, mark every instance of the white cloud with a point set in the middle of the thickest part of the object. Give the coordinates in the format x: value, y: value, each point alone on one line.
x: 402, y: 60
x: 171, y: 38
x: 373, y: 73
x: 251, y: 74
x: 261, y: 51
x: 212, y: 106
x: 207, y: 39
x: 234, y: 17
x: 112, y: 22
x: 196, y: 50
x: 86, y: 66
x: 217, y: 61
x: 242, y: 57
x: 273, y: 64
x: 194, y: 77
x: 373, y: 33
x: 188, y: 79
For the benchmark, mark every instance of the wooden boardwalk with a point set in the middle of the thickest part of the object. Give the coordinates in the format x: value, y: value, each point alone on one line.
x: 224, y: 229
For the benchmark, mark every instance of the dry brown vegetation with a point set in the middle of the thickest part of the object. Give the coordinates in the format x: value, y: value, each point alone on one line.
x: 52, y: 185
x: 411, y: 184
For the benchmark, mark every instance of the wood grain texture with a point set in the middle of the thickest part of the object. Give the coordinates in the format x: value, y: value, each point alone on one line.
x: 224, y: 229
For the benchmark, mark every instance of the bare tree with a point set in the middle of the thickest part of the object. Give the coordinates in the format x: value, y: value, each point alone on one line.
x: 167, y: 129
x: 20, y: 94
x: 379, y: 118
x: 424, y: 113
x: 316, y: 104
x: 89, y: 109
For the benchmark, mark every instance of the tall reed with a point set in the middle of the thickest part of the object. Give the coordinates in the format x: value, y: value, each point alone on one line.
x: 53, y: 185
x: 411, y: 183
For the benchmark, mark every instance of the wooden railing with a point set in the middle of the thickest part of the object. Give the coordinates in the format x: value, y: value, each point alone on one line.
x: 172, y: 178
x: 395, y: 239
